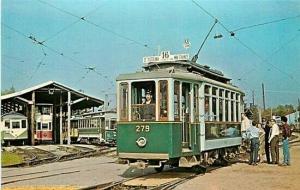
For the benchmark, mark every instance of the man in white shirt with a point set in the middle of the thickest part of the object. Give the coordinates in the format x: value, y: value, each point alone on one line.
x: 274, y: 142
x: 244, y: 126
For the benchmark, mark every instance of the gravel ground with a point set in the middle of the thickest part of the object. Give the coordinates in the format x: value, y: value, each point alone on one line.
x: 78, y: 173
x: 69, y: 174
x: 242, y: 176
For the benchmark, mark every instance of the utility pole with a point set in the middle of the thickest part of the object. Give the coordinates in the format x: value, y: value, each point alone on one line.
x: 32, y: 124
x: 263, y: 93
x: 271, y: 112
x: 253, y: 98
x: 298, y: 118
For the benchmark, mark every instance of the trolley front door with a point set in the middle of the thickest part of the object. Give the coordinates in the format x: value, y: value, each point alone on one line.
x: 185, y: 116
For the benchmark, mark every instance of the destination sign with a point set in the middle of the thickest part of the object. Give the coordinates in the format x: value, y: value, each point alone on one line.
x: 166, y: 56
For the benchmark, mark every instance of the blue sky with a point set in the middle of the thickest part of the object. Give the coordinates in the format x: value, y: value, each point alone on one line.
x: 113, y: 36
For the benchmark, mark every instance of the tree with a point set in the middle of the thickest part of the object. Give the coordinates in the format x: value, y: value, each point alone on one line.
x: 280, y: 110
x: 8, y: 91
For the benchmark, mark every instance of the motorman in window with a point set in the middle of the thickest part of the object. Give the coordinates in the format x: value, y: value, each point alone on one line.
x: 149, y: 107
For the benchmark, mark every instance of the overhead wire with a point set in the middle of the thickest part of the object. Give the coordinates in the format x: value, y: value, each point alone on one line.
x: 32, y: 38
x: 14, y: 58
x: 243, y: 44
x: 73, y: 23
x: 265, y: 23
x: 40, y: 63
x: 16, y: 70
x: 60, y: 31
x: 84, y: 76
x: 98, y: 26
x: 273, y: 53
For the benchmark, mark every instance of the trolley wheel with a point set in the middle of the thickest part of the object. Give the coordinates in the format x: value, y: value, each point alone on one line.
x: 160, y: 169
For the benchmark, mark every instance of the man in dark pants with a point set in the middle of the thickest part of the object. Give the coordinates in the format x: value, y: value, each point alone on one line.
x: 266, y: 127
x: 253, y: 134
x: 274, y: 142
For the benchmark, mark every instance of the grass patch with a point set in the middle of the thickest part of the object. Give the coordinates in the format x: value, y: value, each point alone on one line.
x: 10, y: 158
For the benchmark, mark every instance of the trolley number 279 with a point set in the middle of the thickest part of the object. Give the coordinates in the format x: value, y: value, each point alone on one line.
x: 142, y: 128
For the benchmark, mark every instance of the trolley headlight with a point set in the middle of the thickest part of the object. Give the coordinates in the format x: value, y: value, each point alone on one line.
x: 141, y: 142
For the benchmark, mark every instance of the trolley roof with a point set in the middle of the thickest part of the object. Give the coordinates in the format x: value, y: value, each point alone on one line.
x: 178, y: 66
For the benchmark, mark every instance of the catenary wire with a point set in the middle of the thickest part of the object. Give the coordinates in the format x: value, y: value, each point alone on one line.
x: 98, y: 26
x: 243, y: 44
x: 73, y: 23
x: 54, y: 50
x: 265, y: 23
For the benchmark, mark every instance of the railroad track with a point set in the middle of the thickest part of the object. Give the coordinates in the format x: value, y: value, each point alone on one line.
x: 36, y: 156
x: 28, y: 176
x: 165, y: 180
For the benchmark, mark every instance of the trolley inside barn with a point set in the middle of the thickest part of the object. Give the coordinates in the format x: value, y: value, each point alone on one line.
x: 14, y: 127
x: 177, y: 112
x: 95, y: 128
x: 44, y: 122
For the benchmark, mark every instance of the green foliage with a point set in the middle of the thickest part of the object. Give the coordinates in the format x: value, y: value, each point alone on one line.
x: 280, y: 110
x: 8, y: 91
x: 9, y: 158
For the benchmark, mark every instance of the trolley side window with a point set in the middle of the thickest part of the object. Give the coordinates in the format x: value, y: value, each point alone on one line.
x: 176, y: 100
x: 24, y: 124
x: 163, y: 100
x: 46, y: 110
x: 143, y: 101
x: 207, y: 102
x: 44, y: 126
x: 206, y: 108
x: 38, y: 125
x: 221, y: 104
x: 7, y: 123
x: 15, y: 124
x: 196, y: 103
x: 113, y: 124
x: 123, y: 101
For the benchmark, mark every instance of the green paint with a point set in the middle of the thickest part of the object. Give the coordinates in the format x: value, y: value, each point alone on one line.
x: 86, y: 131
x: 162, y: 137
x: 5, y: 135
x: 110, y: 135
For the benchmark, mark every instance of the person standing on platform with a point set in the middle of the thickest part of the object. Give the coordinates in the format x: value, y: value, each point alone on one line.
x: 261, y: 150
x: 244, y: 126
x: 253, y: 134
x: 274, y: 141
x: 266, y: 125
x: 286, y: 133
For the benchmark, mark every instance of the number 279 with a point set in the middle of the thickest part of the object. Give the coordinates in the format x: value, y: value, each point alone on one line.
x: 142, y: 128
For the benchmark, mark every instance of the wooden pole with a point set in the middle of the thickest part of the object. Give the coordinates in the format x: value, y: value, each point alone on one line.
x: 60, y: 120
x: 32, y: 118
x: 69, y: 117
x: 263, y: 93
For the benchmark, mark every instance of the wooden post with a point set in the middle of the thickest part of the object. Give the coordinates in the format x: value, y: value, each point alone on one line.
x: 60, y: 120
x: 54, y: 126
x: 69, y: 117
x: 263, y: 93
x: 32, y: 126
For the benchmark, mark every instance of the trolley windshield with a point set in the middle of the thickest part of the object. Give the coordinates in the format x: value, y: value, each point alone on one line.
x: 143, y: 101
